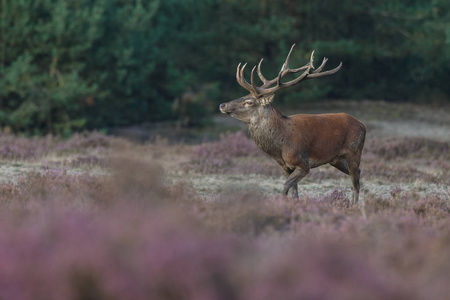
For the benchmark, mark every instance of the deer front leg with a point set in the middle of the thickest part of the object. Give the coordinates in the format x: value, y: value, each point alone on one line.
x: 287, y: 172
x: 295, y: 191
x: 292, y: 181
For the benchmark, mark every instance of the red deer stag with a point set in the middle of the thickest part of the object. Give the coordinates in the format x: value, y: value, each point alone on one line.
x: 299, y: 142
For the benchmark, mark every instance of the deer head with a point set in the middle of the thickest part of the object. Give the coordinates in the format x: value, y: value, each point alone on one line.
x: 246, y: 108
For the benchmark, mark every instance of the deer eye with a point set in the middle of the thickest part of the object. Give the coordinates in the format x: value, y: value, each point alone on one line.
x: 248, y: 103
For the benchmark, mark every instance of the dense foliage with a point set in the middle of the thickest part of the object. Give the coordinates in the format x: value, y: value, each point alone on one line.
x: 69, y: 65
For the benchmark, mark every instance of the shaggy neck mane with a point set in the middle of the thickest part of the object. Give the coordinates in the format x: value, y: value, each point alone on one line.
x: 267, y: 130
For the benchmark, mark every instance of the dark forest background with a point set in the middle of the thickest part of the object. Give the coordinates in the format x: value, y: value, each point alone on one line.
x: 70, y: 65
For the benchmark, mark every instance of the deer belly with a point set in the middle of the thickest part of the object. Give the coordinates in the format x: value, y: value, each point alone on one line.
x: 322, y: 158
x: 315, y: 163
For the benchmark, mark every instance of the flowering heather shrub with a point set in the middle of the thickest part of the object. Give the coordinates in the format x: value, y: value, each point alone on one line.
x: 230, y: 145
x: 131, y: 234
x: 315, y: 269
x: 406, y: 160
x: 128, y: 178
x: 252, y: 213
x: 133, y: 178
x: 335, y: 253
x: 52, y: 185
x: 398, y: 173
x: 392, y: 148
x: 120, y: 245
x: 432, y: 207
x: 337, y: 198
x: 125, y: 253
x: 21, y: 148
x: 86, y: 160
x: 127, y: 248
x: 248, y: 213
x: 81, y: 141
x: 234, y: 153
x: 220, y: 156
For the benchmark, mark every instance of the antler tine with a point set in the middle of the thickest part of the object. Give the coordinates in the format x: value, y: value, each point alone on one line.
x: 241, y: 73
x: 260, y: 75
x: 285, y: 67
x: 237, y: 72
x: 321, y: 66
x: 283, y: 72
x: 241, y: 79
x: 281, y: 85
x: 288, y: 57
x: 305, y: 67
x: 316, y: 75
x: 266, y: 83
x: 286, y: 70
x: 252, y: 79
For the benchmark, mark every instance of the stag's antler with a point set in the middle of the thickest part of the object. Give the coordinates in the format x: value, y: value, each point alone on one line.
x: 267, y: 86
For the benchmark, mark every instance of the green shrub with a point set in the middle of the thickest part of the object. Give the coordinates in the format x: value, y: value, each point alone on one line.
x: 68, y: 65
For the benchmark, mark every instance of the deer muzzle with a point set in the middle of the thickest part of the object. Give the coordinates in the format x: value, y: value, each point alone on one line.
x: 223, y: 107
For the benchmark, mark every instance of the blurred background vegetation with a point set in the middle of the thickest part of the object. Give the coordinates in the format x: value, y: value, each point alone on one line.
x: 70, y: 65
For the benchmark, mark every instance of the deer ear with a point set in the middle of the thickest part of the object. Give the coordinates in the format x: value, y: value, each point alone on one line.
x: 266, y: 100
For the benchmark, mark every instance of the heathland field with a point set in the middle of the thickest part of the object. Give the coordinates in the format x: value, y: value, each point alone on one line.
x: 197, y: 214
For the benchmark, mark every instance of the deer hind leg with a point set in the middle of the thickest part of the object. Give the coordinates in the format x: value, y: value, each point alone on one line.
x: 292, y: 181
x: 353, y: 170
x: 355, y: 174
x: 341, y: 165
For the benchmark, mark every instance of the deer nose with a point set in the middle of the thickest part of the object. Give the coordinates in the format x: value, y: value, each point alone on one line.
x: 222, y: 107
